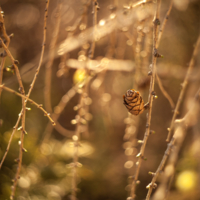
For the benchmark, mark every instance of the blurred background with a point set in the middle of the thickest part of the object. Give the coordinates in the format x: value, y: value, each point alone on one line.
x: 108, y: 141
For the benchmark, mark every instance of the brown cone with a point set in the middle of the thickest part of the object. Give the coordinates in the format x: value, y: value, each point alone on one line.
x: 133, y: 102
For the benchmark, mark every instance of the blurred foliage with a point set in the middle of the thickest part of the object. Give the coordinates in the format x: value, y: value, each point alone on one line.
x: 103, y: 170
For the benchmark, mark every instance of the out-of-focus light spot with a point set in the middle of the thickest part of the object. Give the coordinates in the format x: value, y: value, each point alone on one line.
x: 75, y: 137
x: 88, y: 116
x: 181, y: 5
x: 53, y: 195
x: 82, y: 27
x: 96, y: 84
x: 73, y: 121
x: 26, y: 16
x: 46, y: 149
x: 33, y: 174
x: 84, y: 149
x: 79, y: 75
x: 82, y: 58
x: 112, y: 16
x: 186, y: 180
x: 102, y: 22
x: 24, y: 182
x: 129, y: 151
x: 128, y: 164
x: 88, y: 101
x: 129, y: 42
x: 143, y: 54
x: 106, y: 97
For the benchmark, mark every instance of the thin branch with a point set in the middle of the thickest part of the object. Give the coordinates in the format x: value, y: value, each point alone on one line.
x: 188, y: 120
x: 95, y: 9
x: 167, y: 96
x: 164, y: 22
x: 43, y: 47
x: 30, y: 100
x: 9, y: 142
x: 22, y: 113
x: 151, y: 97
x: 23, y: 109
x: 58, y: 110
x: 48, y: 73
x: 184, y: 84
x: 4, y: 35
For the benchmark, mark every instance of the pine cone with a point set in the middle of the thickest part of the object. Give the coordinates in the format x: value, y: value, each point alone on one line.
x: 134, y: 102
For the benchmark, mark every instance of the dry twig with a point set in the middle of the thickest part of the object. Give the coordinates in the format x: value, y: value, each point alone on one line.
x: 176, y: 142
x: 184, y: 84
x: 151, y: 97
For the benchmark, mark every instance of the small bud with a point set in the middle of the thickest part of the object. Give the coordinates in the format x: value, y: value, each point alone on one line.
x: 24, y: 150
x: 138, y: 155
x: 16, y: 62
x: 137, y: 182
x: 20, y: 128
x: 140, y: 141
x: 152, y: 132
x: 149, y: 73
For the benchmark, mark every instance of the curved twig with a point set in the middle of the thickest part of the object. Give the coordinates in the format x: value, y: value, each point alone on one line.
x: 184, y: 84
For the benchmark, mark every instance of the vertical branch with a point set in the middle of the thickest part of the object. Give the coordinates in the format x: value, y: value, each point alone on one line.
x: 164, y: 22
x: 47, y: 89
x: 151, y: 97
x: 22, y: 113
x: 184, y: 84
x: 5, y: 37
x: 43, y: 47
x: 176, y: 142
x: 167, y: 96
x: 95, y: 9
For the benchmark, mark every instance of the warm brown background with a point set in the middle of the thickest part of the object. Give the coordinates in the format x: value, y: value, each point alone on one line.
x: 45, y: 174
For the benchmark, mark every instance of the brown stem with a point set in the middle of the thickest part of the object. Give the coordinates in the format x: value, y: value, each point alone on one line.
x: 30, y: 100
x: 47, y: 89
x: 151, y: 97
x: 184, y: 84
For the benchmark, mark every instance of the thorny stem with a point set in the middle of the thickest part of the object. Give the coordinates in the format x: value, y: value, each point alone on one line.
x: 7, y: 38
x: 178, y: 138
x: 9, y: 142
x: 160, y: 168
x: 47, y: 89
x: 30, y: 100
x: 164, y: 22
x: 184, y: 84
x: 22, y: 113
x: 147, y: 133
x: 167, y: 96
